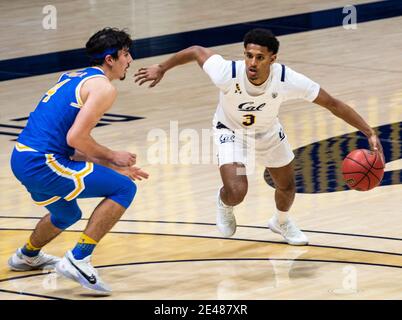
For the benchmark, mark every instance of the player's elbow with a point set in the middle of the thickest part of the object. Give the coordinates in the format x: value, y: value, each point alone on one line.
x: 72, y: 140
x: 196, y: 49
x: 75, y: 140
x: 200, y: 54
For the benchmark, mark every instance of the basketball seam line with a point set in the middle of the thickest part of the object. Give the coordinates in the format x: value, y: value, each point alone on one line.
x: 365, y: 174
x: 382, y: 168
x: 357, y: 163
x: 375, y: 159
x: 368, y: 178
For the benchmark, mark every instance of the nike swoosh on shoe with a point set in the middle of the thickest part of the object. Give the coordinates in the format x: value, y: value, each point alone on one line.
x: 90, y: 278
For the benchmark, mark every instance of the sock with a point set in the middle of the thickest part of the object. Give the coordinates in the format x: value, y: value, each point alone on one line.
x: 84, y: 247
x: 281, y: 216
x: 29, y: 250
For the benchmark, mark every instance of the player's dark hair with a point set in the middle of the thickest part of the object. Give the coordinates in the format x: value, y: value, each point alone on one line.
x: 104, y: 42
x: 262, y: 37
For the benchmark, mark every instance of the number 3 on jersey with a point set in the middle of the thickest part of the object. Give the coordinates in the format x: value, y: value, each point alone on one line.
x: 249, y: 119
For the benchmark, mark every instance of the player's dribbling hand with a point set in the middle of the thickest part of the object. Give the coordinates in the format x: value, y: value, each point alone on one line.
x: 153, y: 73
x: 375, y: 145
x: 124, y: 158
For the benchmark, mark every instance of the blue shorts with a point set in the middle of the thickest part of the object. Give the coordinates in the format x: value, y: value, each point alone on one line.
x: 55, y: 181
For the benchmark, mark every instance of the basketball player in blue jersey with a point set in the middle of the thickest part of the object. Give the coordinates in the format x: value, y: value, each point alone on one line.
x: 58, y: 161
x: 251, y: 92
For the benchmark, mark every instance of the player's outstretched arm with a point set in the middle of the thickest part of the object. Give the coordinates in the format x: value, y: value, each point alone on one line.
x: 100, y: 95
x: 348, y: 114
x: 155, y: 72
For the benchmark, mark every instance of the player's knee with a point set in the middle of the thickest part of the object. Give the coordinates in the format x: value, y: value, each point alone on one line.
x: 235, y: 193
x: 131, y: 190
x: 63, y: 220
x: 288, y: 187
x: 126, y: 193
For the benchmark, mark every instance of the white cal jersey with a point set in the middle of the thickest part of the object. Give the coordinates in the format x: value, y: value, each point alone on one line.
x: 254, y: 108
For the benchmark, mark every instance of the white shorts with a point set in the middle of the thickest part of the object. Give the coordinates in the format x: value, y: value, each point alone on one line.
x: 271, y: 149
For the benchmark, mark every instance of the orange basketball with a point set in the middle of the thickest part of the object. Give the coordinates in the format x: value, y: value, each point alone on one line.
x: 363, y: 169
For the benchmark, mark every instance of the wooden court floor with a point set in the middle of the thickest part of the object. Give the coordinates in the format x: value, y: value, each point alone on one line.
x: 166, y: 246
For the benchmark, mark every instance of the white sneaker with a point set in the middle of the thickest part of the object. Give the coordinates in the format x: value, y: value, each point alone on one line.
x: 289, y: 231
x: 82, y: 272
x: 20, y: 262
x: 225, y: 219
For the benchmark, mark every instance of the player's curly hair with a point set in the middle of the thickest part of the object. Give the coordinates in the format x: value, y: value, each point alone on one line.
x: 106, y: 41
x: 262, y: 37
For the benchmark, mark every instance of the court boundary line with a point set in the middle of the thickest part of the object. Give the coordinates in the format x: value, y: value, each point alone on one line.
x: 213, y: 224
x: 32, y: 294
x: 223, y: 238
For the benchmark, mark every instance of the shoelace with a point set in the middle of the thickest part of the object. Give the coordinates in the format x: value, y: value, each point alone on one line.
x: 41, y: 258
x: 91, y: 267
x: 36, y: 259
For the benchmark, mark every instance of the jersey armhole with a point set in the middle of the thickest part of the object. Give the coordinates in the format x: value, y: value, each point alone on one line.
x: 78, y: 88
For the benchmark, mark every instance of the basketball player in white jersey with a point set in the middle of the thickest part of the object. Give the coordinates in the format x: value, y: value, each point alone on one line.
x: 251, y: 92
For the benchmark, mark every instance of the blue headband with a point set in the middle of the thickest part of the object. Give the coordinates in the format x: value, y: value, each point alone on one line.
x: 104, y: 53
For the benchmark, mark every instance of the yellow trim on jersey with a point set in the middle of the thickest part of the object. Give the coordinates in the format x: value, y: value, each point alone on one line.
x: 73, y: 74
x: 23, y: 148
x: 48, y: 201
x: 76, y: 176
x: 75, y: 105
x: 78, y: 88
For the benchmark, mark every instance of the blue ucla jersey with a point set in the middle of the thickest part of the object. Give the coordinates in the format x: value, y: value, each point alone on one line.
x: 50, y: 122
